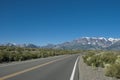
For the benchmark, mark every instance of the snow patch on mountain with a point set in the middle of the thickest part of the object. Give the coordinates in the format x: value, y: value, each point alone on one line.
x: 113, y: 40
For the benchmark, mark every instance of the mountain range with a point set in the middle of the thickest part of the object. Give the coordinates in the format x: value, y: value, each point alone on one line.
x: 85, y: 43
x: 89, y: 43
x: 20, y: 45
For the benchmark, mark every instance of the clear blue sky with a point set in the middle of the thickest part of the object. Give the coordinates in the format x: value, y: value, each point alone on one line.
x: 55, y: 21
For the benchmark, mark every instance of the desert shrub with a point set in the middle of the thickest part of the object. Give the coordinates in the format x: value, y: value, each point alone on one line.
x: 5, y: 56
x: 93, y: 61
x: 87, y: 57
x: 1, y: 57
x: 113, y: 71
x: 99, y: 59
x: 118, y: 60
x: 12, y: 53
x: 108, y: 60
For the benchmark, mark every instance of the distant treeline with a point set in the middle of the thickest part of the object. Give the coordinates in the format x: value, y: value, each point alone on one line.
x: 8, y: 54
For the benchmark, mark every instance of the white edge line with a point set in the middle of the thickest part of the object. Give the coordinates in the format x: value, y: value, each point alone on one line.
x: 73, y: 72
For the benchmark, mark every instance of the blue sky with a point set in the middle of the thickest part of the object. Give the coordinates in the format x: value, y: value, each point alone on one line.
x: 56, y: 21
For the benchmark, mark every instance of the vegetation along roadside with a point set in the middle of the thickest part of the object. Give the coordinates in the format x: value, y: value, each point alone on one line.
x: 108, y: 60
x: 9, y: 54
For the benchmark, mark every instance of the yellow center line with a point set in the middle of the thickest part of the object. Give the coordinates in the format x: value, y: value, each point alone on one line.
x: 29, y: 69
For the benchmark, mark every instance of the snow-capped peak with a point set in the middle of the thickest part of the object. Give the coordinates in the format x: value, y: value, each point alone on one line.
x: 103, y: 38
x: 99, y: 38
x: 113, y: 39
x: 87, y: 37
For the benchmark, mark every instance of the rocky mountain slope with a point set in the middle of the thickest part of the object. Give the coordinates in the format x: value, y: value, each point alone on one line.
x: 89, y: 43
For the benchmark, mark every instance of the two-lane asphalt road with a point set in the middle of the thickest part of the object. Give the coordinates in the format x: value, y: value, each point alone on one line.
x: 63, y: 67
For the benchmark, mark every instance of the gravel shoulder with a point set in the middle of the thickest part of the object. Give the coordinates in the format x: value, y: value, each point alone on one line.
x: 89, y: 73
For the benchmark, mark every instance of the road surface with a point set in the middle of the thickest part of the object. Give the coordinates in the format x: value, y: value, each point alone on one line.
x: 63, y: 67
